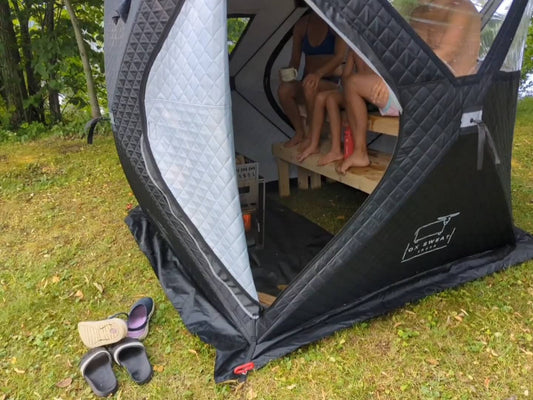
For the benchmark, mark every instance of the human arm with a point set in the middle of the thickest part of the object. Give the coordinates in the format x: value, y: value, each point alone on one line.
x: 298, y: 33
x: 330, y: 66
x: 349, y: 65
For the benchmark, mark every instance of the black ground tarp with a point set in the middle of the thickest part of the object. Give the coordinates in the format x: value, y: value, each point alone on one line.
x: 291, y: 241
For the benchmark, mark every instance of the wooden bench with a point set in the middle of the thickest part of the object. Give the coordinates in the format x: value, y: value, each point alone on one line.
x: 309, y: 173
x: 376, y: 122
x: 386, y: 125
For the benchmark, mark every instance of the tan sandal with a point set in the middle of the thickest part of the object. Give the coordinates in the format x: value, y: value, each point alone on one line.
x: 102, y: 333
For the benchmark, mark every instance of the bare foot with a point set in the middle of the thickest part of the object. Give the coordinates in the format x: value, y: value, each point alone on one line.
x: 309, y: 150
x: 305, y: 143
x: 294, y: 141
x: 330, y: 157
x: 355, y: 160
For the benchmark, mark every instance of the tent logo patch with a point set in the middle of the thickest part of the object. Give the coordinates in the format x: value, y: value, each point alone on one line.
x: 430, y: 237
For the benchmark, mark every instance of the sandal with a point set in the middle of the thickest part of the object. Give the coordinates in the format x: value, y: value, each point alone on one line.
x: 101, y: 333
x: 96, y: 368
x: 138, y: 319
x: 131, y: 354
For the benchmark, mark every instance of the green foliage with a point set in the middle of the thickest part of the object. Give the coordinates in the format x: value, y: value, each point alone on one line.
x: 55, y: 58
x: 26, y: 132
x: 525, y: 112
x: 405, y: 7
x: 236, y: 27
x: 527, y: 65
x: 51, y: 52
x: 5, y: 115
x: 72, y: 126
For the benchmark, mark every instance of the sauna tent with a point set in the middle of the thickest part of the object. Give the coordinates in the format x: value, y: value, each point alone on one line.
x: 181, y: 108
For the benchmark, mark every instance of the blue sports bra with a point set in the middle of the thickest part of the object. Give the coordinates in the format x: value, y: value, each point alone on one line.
x: 327, y: 46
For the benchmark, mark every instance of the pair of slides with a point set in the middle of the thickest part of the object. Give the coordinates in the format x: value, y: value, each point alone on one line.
x: 118, y: 340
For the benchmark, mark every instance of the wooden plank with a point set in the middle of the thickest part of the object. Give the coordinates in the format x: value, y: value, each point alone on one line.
x: 283, y: 172
x: 364, y: 179
x: 266, y: 299
x: 376, y: 122
x: 387, y: 125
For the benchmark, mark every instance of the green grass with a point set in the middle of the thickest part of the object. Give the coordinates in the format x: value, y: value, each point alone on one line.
x: 66, y: 255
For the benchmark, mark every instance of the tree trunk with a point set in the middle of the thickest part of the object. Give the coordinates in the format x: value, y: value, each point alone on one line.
x: 53, y: 95
x: 91, y: 88
x: 14, y: 87
x: 35, y: 110
x: 3, y: 94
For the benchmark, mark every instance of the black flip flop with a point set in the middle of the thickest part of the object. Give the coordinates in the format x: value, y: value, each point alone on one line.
x: 96, y: 368
x: 131, y: 354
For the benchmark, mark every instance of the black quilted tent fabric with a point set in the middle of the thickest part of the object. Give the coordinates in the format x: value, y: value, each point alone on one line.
x: 440, y: 189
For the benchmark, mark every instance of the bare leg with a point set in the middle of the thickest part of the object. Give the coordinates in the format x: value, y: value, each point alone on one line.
x: 333, y: 103
x: 358, y: 88
x: 312, y: 147
x: 357, y: 117
x: 288, y: 93
x: 310, y: 95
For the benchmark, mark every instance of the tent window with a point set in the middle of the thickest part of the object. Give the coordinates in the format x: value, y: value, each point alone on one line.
x: 237, y: 26
x: 493, y: 20
x: 488, y: 15
x: 515, y: 56
x: 451, y: 28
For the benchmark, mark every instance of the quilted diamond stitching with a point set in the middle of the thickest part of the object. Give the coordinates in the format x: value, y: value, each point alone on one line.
x: 187, y: 112
x: 129, y: 131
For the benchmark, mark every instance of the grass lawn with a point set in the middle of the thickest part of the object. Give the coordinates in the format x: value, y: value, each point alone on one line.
x: 66, y: 255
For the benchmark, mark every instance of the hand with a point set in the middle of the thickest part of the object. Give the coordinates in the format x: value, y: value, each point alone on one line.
x: 379, y: 94
x: 311, y: 81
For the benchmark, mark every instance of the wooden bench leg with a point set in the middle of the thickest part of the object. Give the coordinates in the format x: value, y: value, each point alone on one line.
x: 303, y: 178
x: 283, y: 178
x: 316, y: 181
x: 308, y: 179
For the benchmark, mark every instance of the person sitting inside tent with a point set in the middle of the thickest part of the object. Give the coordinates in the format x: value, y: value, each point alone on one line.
x: 331, y: 101
x: 451, y: 28
x: 324, y: 52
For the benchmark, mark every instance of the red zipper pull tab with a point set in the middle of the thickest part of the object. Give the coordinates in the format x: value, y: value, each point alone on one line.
x: 244, y: 368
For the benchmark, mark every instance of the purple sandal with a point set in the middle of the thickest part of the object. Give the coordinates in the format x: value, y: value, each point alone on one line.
x: 138, y: 319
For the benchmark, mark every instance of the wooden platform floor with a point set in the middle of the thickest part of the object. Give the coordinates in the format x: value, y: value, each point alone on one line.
x: 365, y: 179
